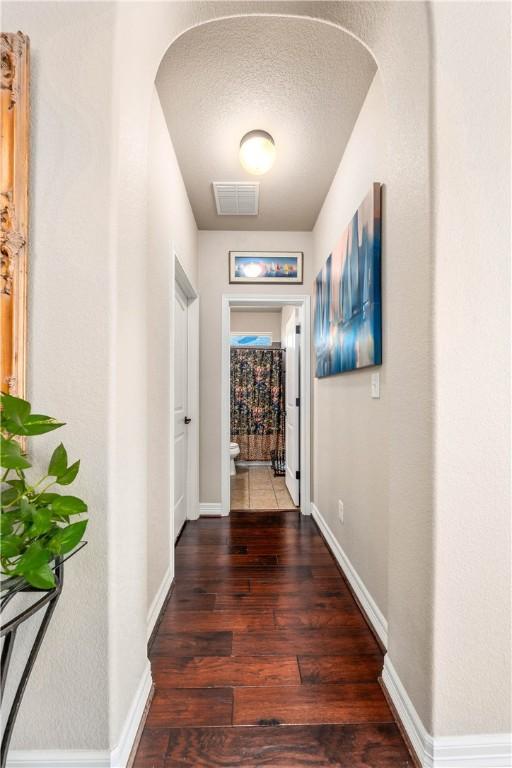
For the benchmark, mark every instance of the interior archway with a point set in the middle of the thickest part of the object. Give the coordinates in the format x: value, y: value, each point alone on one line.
x: 400, y: 45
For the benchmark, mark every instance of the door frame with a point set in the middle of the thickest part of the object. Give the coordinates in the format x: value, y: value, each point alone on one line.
x: 303, y: 303
x: 180, y: 277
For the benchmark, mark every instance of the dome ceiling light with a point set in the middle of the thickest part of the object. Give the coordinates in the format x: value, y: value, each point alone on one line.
x: 257, y: 152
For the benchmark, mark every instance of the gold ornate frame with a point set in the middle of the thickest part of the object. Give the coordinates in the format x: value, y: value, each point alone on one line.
x: 14, y: 152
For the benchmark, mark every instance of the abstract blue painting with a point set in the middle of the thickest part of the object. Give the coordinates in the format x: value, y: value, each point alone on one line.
x: 348, y: 313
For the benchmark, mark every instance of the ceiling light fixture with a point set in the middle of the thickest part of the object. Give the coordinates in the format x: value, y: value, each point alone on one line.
x: 257, y: 152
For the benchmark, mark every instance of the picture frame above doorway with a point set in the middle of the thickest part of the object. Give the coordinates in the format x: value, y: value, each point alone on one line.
x: 264, y: 267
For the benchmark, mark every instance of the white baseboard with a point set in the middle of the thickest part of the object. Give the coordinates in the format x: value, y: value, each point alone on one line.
x: 370, y: 607
x: 121, y: 753
x: 411, y: 721
x: 484, y: 750
x: 471, y: 751
x: 212, y: 509
x: 58, y: 758
x: 306, y: 507
x: 91, y: 758
x: 158, y: 601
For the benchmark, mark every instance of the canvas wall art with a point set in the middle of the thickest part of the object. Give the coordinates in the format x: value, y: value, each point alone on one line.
x: 265, y: 266
x: 14, y: 130
x: 348, y: 316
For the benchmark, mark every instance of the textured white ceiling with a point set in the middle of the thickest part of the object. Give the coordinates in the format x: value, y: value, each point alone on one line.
x: 302, y: 81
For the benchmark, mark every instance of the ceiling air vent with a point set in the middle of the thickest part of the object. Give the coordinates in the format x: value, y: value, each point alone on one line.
x: 236, y: 198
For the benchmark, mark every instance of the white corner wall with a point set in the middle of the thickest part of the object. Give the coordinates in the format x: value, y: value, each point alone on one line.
x: 171, y: 227
x: 68, y: 347
x: 214, y: 247
x: 472, y: 600
x: 351, y: 431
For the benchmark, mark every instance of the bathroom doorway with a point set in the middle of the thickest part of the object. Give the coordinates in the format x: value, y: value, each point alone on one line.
x: 265, y: 374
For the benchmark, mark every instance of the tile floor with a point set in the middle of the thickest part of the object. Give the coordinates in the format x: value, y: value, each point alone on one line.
x: 257, y: 488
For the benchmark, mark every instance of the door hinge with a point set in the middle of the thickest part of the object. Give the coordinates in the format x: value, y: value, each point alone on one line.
x: 297, y: 329
x: 297, y: 401
x: 297, y: 474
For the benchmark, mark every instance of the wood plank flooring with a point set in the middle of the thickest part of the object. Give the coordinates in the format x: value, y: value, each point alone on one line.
x: 262, y: 657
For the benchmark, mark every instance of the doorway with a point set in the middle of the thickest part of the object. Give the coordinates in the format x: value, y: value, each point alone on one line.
x: 272, y: 468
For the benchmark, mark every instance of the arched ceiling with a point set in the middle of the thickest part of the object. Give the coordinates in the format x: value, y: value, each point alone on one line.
x: 302, y: 81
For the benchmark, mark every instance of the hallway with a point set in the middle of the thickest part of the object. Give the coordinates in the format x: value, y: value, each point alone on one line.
x: 262, y: 631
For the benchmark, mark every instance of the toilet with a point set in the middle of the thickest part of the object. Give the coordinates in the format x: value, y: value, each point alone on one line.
x: 234, y: 451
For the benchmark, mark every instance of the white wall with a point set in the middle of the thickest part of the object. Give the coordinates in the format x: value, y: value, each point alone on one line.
x: 472, y: 621
x: 171, y: 225
x: 214, y: 247
x: 259, y: 322
x: 68, y: 345
x: 350, y: 452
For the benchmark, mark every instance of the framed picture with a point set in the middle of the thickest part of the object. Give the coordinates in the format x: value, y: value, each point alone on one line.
x: 348, y: 315
x: 265, y: 266
x: 14, y: 130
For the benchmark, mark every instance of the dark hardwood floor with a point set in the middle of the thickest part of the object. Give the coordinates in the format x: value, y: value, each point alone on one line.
x: 263, y: 658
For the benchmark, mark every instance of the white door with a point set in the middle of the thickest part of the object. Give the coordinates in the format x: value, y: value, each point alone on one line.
x: 292, y: 409
x: 180, y: 409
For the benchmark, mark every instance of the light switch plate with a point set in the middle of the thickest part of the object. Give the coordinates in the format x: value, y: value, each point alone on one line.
x: 376, y: 385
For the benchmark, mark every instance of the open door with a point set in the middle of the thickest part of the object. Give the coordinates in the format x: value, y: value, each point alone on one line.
x: 292, y: 395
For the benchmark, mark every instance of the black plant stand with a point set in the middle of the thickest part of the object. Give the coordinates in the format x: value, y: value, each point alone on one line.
x: 46, y: 603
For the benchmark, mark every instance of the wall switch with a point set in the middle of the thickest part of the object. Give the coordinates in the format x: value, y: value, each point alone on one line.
x: 376, y: 385
x: 341, y: 511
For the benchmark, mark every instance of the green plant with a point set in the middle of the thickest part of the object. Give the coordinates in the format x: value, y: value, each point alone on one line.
x: 36, y: 522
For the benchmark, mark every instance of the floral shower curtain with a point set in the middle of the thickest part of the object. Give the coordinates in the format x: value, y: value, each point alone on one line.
x: 257, y: 402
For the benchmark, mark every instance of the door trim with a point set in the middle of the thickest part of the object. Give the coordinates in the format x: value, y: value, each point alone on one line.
x: 303, y: 303
x: 293, y: 367
x: 179, y: 277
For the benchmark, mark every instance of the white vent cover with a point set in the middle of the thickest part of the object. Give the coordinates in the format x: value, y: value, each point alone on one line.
x: 236, y: 198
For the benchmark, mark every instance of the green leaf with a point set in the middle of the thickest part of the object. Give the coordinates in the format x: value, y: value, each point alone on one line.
x: 69, y: 475
x: 9, y: 495
x: 47, y: 498
x: 32, y: 559
x: 58, y: 462
x: 20, y: 485
x: 7, y: 522
x: 68, y: 505
x: 14, y: 409
x: 11, y: 545
x: 67, y: 538
x: 41, y: 521
x: 36, y: 424
x: 26, y: 510
x: 42, y: 578
x: 11, y: 457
